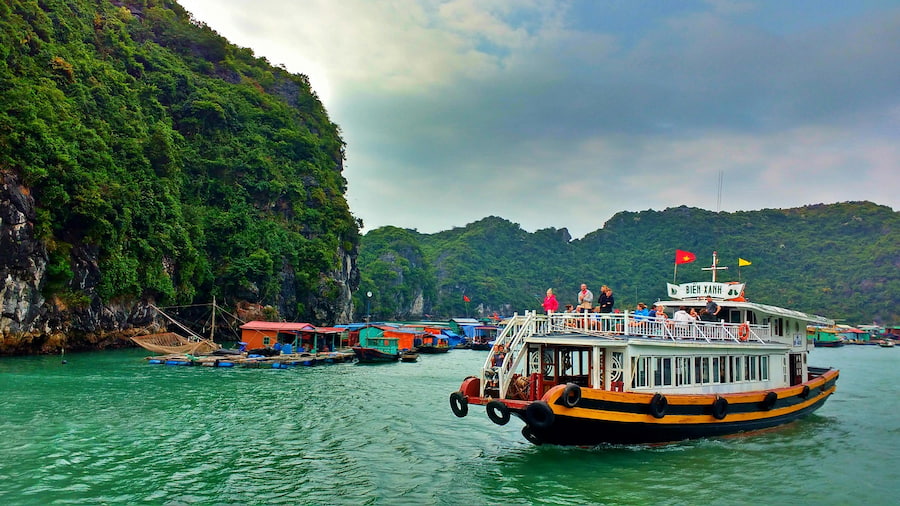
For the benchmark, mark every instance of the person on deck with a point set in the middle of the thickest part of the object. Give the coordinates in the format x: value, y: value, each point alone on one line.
x: 606, y: 300
x: 712, y: 308
x: 550, y: 303
x: 585, y: 299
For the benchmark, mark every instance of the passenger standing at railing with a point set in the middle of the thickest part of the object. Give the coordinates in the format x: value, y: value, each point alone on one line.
x: 550, y: 303
x: 682, y: 319
x: 606, y: 301
x: 585, y: 299
x: 712, y: 308
x: 693, y: 314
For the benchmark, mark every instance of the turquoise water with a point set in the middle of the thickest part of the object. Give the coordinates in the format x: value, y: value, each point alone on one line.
x: 106, y: 428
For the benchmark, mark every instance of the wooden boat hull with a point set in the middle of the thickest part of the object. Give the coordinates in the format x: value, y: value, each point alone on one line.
x: 430, y: 350
x: 374, y: 356
x: 602, y: 416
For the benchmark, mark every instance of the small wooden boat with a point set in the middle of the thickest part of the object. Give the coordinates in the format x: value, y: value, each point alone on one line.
x: 366, y: 355
x: 886, y: 343
x: 409, y: 356
x: 631, y: 378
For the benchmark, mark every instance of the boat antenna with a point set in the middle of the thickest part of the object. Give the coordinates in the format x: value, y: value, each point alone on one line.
x: 715, y: 267
x: 719, y: 198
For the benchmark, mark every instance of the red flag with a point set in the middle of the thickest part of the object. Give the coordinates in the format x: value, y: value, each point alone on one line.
x: 684, y: 257
x: 466, y: 298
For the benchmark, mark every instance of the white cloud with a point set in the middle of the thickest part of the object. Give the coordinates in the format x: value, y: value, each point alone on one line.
x: 453, y: 110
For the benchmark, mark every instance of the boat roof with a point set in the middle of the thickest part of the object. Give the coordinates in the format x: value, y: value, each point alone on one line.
x: 753, y: 306
x: 286, y: 326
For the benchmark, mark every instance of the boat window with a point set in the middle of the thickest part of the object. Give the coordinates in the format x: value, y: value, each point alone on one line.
x: 716, y: 369
x: 640, y: 368
x: 683, y: 371
x: 764, y: 368
x: 662, y: 373
x: 734, y: 316
x: 704, y: 369
x: 752, y: 368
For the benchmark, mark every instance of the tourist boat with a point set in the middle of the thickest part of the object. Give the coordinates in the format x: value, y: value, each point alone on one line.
x: 577, y: 379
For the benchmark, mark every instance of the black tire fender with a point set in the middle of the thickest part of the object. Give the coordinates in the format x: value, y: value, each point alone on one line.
x: 720, y: 408
x: 658, y: 405
x: 770, y: 400
x: 571, y: 395
x: 531, y: 436
x: 540, y: 415
x: 805, y: 392
x: 497, y: 412
x: 459, y: 404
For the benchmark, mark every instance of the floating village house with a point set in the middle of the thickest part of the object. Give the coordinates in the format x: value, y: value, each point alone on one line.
x: 301, y: 336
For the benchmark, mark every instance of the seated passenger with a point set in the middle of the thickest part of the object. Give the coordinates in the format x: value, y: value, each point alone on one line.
x: 641, y: 314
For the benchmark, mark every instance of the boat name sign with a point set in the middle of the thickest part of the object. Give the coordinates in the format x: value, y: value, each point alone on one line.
x: 715, y: 290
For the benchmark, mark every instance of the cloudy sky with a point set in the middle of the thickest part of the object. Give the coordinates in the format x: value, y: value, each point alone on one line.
x: 563, y: 113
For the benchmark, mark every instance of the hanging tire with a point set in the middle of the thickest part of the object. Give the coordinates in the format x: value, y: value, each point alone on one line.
x: 459, y: 404
x: 497, y: 412
x: 539, y: 415
x: 531, y: 436
x: 770, y: 400
x: 658, y: 405
x: 720, y: 408
x: 805, y: 392
x: 571, y: 395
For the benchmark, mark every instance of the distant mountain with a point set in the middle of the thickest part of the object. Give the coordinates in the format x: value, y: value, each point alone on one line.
x: 144, y: 157
x: 838, y: 260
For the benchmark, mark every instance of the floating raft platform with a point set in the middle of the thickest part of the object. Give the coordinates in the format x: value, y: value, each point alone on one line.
x: 253, y: 361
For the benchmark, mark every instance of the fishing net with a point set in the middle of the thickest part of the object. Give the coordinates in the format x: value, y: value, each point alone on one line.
x: 171, y: 342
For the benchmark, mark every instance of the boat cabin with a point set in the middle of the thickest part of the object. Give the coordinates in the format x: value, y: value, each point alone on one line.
x: 263, y: 334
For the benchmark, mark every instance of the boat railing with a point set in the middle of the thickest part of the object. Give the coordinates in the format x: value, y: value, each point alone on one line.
x: 626, y: 323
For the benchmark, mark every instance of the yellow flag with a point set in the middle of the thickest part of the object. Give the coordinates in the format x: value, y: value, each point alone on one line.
x: 742, y: 262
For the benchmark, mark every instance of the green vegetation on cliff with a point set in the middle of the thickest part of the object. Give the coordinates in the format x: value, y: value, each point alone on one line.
x: 182, y: 165
x: 840, y: 260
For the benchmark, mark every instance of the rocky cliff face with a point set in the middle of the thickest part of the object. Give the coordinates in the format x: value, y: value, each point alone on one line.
x: 29, y: 323
x: 23, y: 261
x: 33, y: 324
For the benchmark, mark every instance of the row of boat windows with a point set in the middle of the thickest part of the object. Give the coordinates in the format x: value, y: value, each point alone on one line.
x: 678, y: 371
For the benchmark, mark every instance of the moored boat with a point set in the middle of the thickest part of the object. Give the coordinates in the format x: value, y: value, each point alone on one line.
x: 886, y: 343
x: 408, y: 356
x: 583, y: 379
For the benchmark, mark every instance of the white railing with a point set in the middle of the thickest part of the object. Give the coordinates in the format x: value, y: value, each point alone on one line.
x: 628, y: 324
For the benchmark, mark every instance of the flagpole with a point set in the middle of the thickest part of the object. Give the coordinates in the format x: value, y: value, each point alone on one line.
x: 675, y: 275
